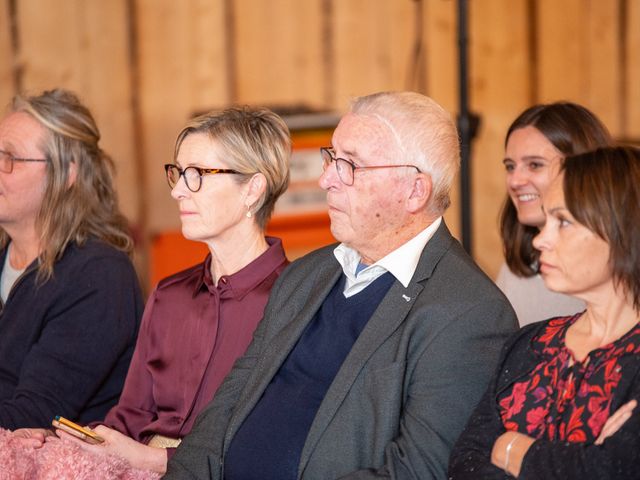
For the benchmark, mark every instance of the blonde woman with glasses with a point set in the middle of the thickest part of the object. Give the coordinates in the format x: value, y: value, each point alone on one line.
x: 228, y: 170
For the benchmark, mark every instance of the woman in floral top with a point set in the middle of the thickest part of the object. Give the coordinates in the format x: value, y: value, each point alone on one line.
x: 563, y: 401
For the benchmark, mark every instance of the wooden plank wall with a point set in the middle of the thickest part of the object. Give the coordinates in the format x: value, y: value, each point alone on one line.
x: 631, y: 81
x: 83, y: 45
x: 7, y: 86
x: 144, y: 66
x: 501, y: 88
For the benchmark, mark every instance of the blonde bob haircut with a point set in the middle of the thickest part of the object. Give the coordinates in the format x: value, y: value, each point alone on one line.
x: 253, y: 140
x: 73, y: 210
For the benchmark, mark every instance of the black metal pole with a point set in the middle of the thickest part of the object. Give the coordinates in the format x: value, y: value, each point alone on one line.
x: 466, y: 127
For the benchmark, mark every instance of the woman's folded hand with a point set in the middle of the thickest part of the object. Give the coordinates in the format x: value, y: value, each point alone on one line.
x: 615, y: 421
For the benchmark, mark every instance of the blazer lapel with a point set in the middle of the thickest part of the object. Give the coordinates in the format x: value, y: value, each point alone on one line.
x: 279, y: 347
x: 389, y: 315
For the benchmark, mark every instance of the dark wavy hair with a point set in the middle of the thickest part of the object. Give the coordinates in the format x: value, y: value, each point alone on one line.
x: 572, y: 129
x: 601, y: 192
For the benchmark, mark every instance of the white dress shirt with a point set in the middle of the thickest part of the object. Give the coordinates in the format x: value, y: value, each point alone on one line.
x: 401, y: 263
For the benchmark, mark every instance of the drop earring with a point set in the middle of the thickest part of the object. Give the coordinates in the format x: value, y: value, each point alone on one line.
x: 249, y: 215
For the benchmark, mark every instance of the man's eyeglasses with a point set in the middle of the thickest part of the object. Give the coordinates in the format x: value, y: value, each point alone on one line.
x: 346, y: 168
x: 192, y: 175
x: 7, y: 160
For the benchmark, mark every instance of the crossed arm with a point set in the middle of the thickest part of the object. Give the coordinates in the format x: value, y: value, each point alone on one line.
x: 481, y: 451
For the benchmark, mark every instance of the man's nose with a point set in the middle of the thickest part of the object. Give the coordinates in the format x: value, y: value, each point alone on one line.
x: 329, y: 176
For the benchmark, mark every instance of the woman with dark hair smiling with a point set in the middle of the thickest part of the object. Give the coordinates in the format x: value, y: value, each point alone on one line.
x: 536, y: 143
x: 562, y: 402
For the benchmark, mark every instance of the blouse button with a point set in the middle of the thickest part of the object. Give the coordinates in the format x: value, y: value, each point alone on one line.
x: 223, y: 280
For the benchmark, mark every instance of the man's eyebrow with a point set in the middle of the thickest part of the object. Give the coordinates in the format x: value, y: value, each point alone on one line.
x: 350, y: 153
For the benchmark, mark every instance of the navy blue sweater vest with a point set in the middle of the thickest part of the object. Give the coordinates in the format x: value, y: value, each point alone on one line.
x: 269, y: 443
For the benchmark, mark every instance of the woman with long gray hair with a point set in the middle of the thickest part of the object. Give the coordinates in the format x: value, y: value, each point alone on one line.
x: 70, y: 301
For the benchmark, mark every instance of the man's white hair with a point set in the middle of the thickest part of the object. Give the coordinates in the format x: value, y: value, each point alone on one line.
x: 426, y: 135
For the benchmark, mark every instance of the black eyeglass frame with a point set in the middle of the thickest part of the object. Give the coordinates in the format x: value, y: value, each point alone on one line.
x: 325, y: 164
x: 6, y: 156
x: 201, y: 171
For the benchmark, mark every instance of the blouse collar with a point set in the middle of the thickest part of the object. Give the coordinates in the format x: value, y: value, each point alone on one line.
x: 238, y: 284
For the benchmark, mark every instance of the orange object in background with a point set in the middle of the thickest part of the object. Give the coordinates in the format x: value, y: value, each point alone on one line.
x: 300, y: 233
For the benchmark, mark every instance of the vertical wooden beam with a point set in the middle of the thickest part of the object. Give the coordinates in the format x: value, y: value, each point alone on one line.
x: 328, y: 66
x: 279, y: 52
x: 7, y: 55
x: 603, y: 62
x: 417, y: 63
x: 466, y: 126
x: 561, y: 53
x: 441, y: 71
x: 231, y: 48
x: 441, y: 53
x: 105, y: 82
x: 138, y: 167
x: 82, y: 46
x: 52, y: 41
x: 533, y: 54
x: 501, y: 85
x: 580, y: 55
x: 632, y: 75
x: 182, y: 61
x: 373, y: 47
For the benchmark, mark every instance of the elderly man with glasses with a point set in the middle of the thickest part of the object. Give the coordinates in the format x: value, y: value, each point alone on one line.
x: 372, y: 353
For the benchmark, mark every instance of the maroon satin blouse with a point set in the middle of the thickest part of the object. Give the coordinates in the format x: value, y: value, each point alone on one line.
x: 192, y: 332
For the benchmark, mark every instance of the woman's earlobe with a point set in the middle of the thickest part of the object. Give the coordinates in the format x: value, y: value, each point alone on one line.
x: 257, y: 186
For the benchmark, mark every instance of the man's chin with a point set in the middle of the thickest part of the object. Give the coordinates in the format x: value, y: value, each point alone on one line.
x: 339, y: 233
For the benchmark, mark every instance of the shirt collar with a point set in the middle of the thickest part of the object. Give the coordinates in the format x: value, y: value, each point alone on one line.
x: 401, y: 263
x: 238, y: 284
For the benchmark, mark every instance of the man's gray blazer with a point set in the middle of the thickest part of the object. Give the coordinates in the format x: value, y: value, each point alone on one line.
x: 403, y: 393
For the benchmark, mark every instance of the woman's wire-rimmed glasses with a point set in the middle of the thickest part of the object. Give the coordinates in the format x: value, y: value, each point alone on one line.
x: 346, y: 168
x: 7, y: 160
x: 192, y: 175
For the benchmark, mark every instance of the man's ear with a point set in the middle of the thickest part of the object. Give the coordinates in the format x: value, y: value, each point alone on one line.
x: 420, y: 194
x: 256, y: 188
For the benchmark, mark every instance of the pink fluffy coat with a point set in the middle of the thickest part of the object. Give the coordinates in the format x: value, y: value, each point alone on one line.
x: 61, y: 460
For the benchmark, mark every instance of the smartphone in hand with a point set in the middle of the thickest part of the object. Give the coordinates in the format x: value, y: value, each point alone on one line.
x: 76, y: 430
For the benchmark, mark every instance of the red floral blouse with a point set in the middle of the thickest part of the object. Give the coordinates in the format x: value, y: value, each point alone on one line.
x: 564, y: 400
